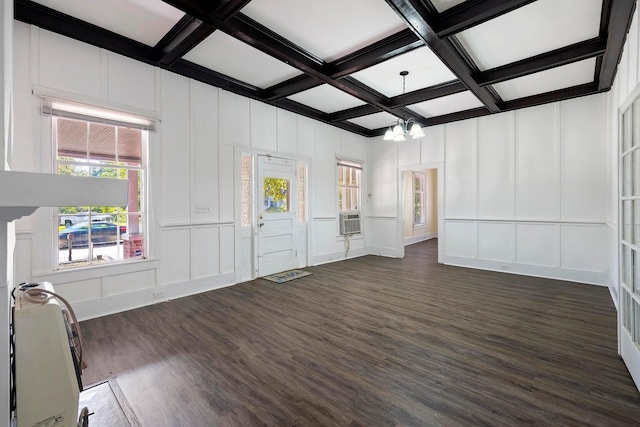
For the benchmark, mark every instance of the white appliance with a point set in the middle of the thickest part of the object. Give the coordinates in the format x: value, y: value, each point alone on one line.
x: 47, y: 372
x: 349, y: 223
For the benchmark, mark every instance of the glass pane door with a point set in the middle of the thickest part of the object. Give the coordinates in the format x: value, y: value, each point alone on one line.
x: 629, y: 253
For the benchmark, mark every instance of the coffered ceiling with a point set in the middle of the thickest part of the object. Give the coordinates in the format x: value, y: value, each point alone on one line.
x: 338, y: 61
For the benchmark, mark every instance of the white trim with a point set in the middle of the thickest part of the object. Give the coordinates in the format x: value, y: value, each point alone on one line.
x: 59, y: 95
x: 421, y: 238
x: 96, y: 271
x: 581, y: 276
x: 197, y: 224
x: 122, y: 302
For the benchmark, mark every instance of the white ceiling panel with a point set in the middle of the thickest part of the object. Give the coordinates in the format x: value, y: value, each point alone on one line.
x: 145, y: 21
x: 375, y: 121
x: 533, y: 29
x: 326, y: 98
x: 231, y: 57
x: 328, y: 29
x: 442, y: 5
x: 546, y: 81
x: 447, y: 104
x: 425, y: 69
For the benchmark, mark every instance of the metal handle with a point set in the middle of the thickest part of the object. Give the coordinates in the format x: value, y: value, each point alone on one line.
x: 261, y: 224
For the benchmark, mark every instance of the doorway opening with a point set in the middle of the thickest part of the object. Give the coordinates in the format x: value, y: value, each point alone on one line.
x: 419, y: 205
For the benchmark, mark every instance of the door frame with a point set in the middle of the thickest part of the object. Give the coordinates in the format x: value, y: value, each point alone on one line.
x: 307, y: 226
x: 627, y: 348
x: 439, y: 167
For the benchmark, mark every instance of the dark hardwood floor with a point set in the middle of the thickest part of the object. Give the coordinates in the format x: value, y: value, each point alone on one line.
x: 372, y: 342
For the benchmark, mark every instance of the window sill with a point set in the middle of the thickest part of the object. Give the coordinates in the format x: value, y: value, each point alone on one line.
x: 96, y: 271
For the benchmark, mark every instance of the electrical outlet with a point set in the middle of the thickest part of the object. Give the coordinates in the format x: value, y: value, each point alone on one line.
x: 203, y: 208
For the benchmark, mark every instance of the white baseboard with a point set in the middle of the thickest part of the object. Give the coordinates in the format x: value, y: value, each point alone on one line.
x: 337, y: 256
x: 420, y: 238
x: 386, y: 252
x: 118, y: 303
x: 581, y: 276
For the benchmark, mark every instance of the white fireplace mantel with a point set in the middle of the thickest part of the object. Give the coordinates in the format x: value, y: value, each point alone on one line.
x: 21, y: 193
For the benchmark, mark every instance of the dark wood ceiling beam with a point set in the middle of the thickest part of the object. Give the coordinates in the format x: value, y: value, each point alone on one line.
x: 205, y: 75
x: 370, y: 96
x: 473, y: 12
x: 554, y: 96
x: 457, y: 116
x: 563, y: 56
x: 401, y: 42
x: 226, y: 9
x: 620, y: 16
x: 426, y: 94
x: 301, y: 109
x: 352, y: 113
x: 180, y: 27
x: 292, y: 86
x: 180, y: 47
x: 182, y: 38
x: 417, y: 18
x: 447, y: 118
x: 258, y: 36
x: 58, y: 22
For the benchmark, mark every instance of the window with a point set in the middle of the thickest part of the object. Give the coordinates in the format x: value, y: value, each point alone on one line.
x: 246, y: 190
x: 277, y: 194
x: 419, y: 208
x: 349, y: 175
x: 86, y: 145
x: 302, y: 213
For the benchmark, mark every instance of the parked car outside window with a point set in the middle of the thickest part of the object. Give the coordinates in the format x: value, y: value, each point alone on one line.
x: 101, y: 232
x: 69, y: 219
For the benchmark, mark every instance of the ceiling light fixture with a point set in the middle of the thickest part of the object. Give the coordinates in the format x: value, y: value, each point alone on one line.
x: 398, y: 130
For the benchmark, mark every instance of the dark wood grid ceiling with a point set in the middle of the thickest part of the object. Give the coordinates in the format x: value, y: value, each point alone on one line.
x: 425, y: 27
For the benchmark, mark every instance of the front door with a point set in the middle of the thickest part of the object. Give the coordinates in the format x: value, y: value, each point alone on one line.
x: 277, y: 201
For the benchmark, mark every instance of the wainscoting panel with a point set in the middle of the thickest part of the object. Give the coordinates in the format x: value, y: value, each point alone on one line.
x: 537, y: 244
x: 205, y: 251
x: 175, y: 256
x: 124, y: 283
x: 496, y: 241
x: 583, y: 247
x: 460, y: 239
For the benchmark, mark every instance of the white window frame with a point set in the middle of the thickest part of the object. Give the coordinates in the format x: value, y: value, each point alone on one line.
x: 423, y: 196
x: 106, y: 116
x: 358, y: 167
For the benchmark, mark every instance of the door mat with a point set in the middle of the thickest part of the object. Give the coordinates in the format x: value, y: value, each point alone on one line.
x: 285, y: 276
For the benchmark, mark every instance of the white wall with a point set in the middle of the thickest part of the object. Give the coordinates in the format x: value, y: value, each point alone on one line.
x: 524, y: 191
x: 192, y: 161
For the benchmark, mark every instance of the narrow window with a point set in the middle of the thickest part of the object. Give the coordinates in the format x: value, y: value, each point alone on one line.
x: 302, y: 169
x: 349, y: 176
x: 246, y: 190
x: 419, y: 207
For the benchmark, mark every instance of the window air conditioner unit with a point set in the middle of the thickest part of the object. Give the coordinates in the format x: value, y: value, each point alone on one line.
x: 349, y: 223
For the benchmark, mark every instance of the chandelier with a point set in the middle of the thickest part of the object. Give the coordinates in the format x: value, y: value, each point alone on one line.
x: 399, y: 129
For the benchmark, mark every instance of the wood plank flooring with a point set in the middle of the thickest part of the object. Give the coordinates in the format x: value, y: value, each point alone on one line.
x: 372, y: 342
